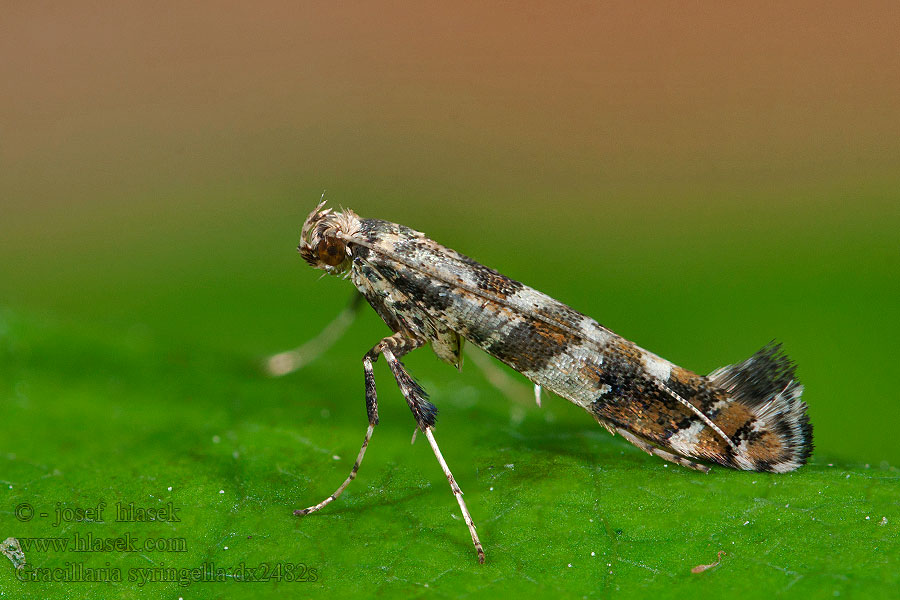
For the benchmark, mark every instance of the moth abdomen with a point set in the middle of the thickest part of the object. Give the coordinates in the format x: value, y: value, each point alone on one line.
x: 747, y: 416
x: 776, y: 435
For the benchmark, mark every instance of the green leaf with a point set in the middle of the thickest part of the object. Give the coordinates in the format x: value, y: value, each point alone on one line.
x: 97, y: 414
x: 129, y: 373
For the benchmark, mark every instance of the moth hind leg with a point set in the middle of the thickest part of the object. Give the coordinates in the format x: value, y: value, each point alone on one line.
x: 663, y: 454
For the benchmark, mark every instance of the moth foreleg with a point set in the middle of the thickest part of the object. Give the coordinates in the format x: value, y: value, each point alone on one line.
x: 362, y: 452
x: 291, y: 360
x: 372, y: 412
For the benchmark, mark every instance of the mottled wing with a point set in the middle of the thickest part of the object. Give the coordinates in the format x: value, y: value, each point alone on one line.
x: 403, y: 313
x: 572, y: 355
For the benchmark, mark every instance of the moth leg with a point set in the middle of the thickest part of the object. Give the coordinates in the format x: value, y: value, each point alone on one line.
x: 425, y: 413
x: 300, y: 512
x: 416, y: 397
x: 503, y: 383
x: 372, y: 412
x: 291, y: 360
x: 458, y: 494
x: 651, y: 449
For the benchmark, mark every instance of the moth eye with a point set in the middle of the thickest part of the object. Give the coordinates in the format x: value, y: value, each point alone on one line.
x: 331, y: 252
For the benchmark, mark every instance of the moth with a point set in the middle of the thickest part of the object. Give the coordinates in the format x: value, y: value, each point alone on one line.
x: 746, y: 416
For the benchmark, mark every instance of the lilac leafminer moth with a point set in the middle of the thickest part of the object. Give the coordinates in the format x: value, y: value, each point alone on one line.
x: 746, y: 416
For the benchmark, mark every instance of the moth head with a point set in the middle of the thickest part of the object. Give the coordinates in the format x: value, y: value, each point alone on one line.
x: 324, y: 239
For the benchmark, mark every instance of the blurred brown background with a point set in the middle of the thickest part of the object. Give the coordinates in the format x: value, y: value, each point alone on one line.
x: 103, y: 101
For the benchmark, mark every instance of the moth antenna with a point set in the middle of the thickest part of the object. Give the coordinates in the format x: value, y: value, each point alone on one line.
x: 699, y: 413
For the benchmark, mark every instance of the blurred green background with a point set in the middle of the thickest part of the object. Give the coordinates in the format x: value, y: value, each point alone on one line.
x: 700, y: 179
